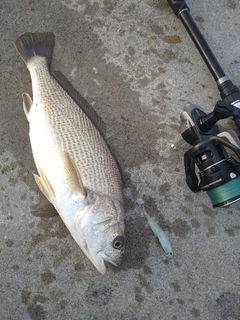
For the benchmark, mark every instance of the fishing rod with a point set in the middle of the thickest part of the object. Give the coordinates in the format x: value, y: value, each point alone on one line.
x: 219, y: 173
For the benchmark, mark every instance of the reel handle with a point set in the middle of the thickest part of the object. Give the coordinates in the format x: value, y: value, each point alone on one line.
x: 222, y: 110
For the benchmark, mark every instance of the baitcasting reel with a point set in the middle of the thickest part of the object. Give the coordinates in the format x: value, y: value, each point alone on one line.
x: 219, y: 172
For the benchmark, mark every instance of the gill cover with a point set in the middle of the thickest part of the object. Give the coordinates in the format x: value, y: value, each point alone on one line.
x: 98, y: 231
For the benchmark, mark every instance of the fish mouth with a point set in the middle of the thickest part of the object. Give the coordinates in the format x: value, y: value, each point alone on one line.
x: 102, y: 256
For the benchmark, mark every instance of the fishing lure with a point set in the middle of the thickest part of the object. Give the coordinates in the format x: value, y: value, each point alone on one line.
x: 158, y: 231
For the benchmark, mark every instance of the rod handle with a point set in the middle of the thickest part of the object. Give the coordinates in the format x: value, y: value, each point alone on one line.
x: 178, y: 6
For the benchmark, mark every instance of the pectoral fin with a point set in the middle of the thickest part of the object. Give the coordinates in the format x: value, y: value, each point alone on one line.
x: 72, y: 176
x: 27, y: 103
x: 44, y: 185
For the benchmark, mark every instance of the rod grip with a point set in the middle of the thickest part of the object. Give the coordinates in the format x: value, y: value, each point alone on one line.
x: 177, y: 6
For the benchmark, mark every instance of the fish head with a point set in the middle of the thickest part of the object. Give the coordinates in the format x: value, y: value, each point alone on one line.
x: 99, y: 230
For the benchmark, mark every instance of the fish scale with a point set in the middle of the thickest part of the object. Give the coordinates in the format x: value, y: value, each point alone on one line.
x: 73, y: 131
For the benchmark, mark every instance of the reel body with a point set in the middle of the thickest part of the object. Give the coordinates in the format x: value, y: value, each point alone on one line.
x: 219, y: 173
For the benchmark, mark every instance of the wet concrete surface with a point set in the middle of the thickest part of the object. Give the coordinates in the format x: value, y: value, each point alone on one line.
x: 135, y: 63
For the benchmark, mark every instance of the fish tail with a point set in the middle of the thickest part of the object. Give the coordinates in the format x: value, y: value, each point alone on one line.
x: 31, y: 45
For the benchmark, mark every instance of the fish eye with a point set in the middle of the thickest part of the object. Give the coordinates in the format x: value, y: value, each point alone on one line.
x: 118, y: 242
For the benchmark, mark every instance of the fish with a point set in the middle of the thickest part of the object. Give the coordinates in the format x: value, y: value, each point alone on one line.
x: 157, y: 230
x: 77, y: 172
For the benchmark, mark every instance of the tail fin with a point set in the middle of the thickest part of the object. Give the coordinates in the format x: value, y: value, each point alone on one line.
x: 30, y: 45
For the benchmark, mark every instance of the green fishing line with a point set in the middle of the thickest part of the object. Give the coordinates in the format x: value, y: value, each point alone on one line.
x: 226, y: 192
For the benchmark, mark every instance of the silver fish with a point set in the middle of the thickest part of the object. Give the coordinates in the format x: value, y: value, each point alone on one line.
x: 77, y: 172
x: 158, y: 231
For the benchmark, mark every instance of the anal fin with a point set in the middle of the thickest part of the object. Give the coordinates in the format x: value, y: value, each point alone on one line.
x: 43, y: 209
x: 44, y: 185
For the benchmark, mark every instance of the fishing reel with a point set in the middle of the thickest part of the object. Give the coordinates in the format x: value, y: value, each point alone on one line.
x: 219, y: 172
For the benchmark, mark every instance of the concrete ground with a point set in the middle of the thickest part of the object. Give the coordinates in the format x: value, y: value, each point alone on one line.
x: 134, y: 61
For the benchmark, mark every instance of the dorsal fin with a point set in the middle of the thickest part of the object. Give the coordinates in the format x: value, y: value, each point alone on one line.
x: 79, y: 99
